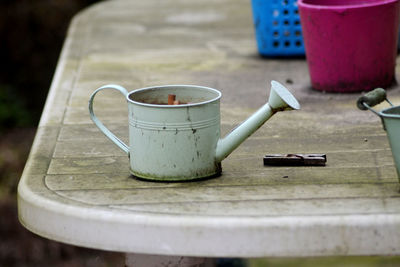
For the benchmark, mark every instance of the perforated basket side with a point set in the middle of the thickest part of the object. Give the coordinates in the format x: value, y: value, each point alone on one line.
x: 277, y: 27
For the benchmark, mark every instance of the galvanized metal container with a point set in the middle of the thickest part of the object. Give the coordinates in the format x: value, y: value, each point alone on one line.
x: 390, y: 120
x: 174, y: 140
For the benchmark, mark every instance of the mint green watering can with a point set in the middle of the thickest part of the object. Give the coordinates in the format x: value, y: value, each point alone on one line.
x: 182, y: 142
x: 390, y: 119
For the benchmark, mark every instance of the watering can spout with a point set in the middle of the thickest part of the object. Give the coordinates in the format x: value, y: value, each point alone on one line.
x: 279, y: 99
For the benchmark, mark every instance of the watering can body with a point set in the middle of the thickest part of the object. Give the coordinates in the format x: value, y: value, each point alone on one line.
x: 175, y: 142
x: 391, y: 121
x: 183, y: 142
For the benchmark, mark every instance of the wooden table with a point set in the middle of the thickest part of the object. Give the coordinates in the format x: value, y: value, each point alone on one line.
x: 76, y: 186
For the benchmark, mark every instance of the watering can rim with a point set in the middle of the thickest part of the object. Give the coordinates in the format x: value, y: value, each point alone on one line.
x: 218, y: 95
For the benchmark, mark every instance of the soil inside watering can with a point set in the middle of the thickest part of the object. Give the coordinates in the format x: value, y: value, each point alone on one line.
x: 171, y: 95
x: 165, y: 103
x: 170, y: 100
x: 177, y: 101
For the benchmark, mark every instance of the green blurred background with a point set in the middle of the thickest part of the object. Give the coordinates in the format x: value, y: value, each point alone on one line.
x: 32, y: 33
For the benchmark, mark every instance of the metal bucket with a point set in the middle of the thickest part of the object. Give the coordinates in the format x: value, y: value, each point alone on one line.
x: 390, y: 119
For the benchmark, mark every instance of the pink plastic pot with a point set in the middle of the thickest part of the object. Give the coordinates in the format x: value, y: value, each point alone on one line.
x: 351, y: 45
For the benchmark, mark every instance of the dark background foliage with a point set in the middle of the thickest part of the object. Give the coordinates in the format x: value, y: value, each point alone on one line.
x: 32, y: 33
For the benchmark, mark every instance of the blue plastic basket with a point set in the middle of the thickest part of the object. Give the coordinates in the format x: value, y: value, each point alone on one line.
x: 277, y: 27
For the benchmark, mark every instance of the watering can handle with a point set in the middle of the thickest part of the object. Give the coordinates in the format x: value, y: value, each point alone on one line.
x: 371, y: 99
x: 99, y: 124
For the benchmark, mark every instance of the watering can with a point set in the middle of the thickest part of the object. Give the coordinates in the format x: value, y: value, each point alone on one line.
x: 182, y: 142
x: 390, y: 119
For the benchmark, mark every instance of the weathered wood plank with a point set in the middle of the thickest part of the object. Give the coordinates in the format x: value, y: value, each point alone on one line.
x: 42, y: 150
x: 271, y: 208
x: 277, y: 176
x: 190, y: 193
x: 89, y: 165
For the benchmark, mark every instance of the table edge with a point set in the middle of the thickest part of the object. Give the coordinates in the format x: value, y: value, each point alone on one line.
x: 81, y: 225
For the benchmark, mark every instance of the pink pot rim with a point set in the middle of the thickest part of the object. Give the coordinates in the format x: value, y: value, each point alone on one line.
x: 343, y: 6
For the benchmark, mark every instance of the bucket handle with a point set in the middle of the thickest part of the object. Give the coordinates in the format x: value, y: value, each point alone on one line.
x: 371, y: 99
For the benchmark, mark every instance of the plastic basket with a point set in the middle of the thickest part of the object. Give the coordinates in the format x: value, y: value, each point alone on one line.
x: 277, y: 27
